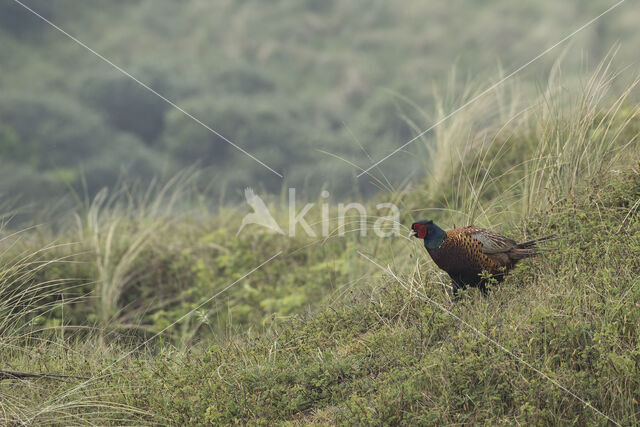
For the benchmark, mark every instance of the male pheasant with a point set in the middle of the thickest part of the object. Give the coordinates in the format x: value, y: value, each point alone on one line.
x: 468, y: 252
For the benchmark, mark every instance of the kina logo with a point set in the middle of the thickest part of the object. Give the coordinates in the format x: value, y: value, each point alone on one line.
x: 260, y: 215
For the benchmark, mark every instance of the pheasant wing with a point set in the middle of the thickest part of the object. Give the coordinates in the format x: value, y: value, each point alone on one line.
x: 492, y: 243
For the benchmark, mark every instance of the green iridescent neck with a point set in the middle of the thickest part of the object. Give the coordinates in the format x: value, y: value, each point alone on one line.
x: 435, y: 237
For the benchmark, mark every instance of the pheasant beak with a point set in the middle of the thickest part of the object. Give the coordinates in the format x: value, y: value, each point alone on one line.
x: 412, y: 233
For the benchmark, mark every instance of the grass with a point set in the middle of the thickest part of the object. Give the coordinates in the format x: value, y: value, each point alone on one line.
x: 395, y: 354
x: 348, y: 329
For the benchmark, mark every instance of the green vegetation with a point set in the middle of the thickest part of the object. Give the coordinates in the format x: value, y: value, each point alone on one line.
x: 126, y: 270
x: 323, y: 335
x: 282, y: 79
x: 391, y: 355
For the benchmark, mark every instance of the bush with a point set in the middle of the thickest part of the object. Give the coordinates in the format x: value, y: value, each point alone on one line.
x: 20, y: 22
x: 126, y: 104
x: 264, y: 127
x: 243, y: 80
x: 60, y: 141
x: 53, y: 130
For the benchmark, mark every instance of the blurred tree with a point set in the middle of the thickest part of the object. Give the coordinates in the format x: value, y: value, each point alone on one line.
x: 57, y: 138
x: 126, y: 104
x: 9, y: 141
x: 243, y: 79
x: 255, y: 124
x: 125, y: 158
x: 20, y: 22
x: 53, y: 130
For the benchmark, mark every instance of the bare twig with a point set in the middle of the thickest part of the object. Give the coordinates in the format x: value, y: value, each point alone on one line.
x: 15, y: 375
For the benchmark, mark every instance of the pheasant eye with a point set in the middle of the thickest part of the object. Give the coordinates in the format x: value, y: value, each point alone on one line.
x: 421, y: 230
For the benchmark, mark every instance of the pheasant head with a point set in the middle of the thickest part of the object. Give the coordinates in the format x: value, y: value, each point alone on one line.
x: 432, y: 234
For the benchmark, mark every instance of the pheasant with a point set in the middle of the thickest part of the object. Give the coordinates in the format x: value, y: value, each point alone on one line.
x: 468, y: 252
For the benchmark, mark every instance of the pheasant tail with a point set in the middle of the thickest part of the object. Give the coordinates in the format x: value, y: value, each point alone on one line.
x: 528, y: 249
x: 530, y: 243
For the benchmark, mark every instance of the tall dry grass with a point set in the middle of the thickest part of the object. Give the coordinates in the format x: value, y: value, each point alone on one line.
x: 506, y: 157
x: 30, y: 343
x: 116, y: 229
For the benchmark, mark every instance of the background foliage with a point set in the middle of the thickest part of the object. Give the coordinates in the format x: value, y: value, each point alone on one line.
x: 136, y: 282
x: 286, y: 80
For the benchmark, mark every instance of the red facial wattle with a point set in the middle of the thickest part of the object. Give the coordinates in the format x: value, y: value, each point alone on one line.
x: 421, y: 229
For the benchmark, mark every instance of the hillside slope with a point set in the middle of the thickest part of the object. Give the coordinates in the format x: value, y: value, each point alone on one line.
x: 145, y: 293
x: 570, y: 320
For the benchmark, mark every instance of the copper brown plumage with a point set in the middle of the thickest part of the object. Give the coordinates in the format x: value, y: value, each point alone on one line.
x: 470, y: 255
